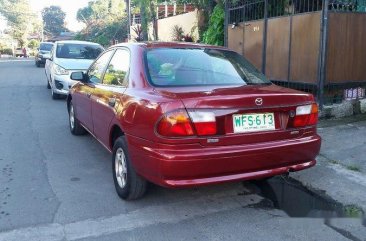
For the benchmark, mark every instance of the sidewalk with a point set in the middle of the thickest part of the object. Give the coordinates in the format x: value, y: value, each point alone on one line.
x: 341, y: 169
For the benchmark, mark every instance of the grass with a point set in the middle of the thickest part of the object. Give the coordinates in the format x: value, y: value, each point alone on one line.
x: 334, y: 161
x: 349, y: 167
x: 353, y: 211
x: 353, y: 168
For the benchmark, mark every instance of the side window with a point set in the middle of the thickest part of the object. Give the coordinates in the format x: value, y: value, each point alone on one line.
x: 117, y: 71
x: 96, y: 70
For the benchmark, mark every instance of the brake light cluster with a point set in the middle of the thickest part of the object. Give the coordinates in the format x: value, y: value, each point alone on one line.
x: 181, y: 123
x: 305, y: 115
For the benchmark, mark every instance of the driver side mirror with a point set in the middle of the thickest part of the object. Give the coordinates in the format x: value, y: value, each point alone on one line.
x: 78, y: 76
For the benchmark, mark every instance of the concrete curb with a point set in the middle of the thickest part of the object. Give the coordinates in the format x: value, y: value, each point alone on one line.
x: 344, y: 109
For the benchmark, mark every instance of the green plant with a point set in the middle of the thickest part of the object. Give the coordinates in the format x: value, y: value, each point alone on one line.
x: 215, y: 32
x: 33, y: 44
x: 353, y: 211
x: 138, y: 31
x: 334, y: 161
x: 353, y: 168
x: 187, y: 38
x: 7, y: 51
x: 177, y: 33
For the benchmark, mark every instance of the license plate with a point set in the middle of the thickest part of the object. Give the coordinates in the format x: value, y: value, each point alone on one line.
x: 253, y: 122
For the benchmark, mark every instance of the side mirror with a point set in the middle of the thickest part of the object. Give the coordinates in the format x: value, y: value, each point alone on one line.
x: 78, y: 76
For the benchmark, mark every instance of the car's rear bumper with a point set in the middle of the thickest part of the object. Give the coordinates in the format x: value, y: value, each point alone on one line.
x: 190, y: 165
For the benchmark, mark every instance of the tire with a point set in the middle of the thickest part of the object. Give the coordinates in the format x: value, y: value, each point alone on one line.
x: 38, y: 64
x: 48, y: 85
x: 75, y: 127
x: 54, y: 95
x: 129, y: 185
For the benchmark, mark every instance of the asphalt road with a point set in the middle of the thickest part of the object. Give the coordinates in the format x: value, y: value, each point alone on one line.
x: 55, y: 186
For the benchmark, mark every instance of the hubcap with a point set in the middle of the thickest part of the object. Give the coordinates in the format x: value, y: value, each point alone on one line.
x: 72, y: 118
x: 120, y: 167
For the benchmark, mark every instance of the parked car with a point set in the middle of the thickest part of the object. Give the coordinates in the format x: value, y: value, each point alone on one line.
x: 43, y: 53
x: 66, y: 57
x: 19, y: 52
x: 181, y: 115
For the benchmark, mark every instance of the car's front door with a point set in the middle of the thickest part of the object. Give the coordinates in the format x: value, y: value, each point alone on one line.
x: 107, y: 96
x: 85, y: 90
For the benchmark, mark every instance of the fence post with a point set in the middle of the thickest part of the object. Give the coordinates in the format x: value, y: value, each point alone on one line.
x: 166, y: 9
x: 289, y: 48
x: 323, y: 53
x: 264, y: 50
x: 226, y: 23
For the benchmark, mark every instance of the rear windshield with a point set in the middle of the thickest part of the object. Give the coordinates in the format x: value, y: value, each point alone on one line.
x: 45, y: 47
x: 78, y: 51
x: 193, y: 67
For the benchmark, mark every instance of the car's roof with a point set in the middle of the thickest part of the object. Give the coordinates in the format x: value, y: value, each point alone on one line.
x: 169, y: 45
x: 75, y: 42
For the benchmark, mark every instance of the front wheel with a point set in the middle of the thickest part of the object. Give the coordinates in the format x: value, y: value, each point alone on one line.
x: 54, y: 95
x: 75, y: 127
x: 129, y: 185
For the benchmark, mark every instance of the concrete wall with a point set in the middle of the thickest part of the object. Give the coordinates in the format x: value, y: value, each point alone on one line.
x: 188, y: 22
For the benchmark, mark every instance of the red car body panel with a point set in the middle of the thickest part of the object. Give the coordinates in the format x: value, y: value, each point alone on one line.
x: 195, y: 160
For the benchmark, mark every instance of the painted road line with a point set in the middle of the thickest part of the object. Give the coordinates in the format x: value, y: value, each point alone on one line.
x: 163, y: 214
x: 15, y: 60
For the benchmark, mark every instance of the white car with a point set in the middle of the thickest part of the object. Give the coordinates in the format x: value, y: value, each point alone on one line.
x: 67, y: 57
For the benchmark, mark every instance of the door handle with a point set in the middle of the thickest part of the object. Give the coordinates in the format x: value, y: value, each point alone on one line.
x: 112, y: 102
x: 88, y: 94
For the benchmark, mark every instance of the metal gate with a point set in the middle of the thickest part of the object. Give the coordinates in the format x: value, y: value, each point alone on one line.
x: 288, y: 40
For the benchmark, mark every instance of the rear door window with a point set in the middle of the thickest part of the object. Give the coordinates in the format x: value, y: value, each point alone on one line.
x: 118, y: 68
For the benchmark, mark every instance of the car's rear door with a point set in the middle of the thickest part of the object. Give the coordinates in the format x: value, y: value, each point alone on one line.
x: 82, y: 97
x: 107, y: 95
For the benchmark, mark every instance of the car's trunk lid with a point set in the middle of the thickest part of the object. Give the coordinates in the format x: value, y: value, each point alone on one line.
x: 231, y: 104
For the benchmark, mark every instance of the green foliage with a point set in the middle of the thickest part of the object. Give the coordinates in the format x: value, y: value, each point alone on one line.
x: 353, y: 211
x: 54, y: 20
x: 177, y: 33
x: 7, y: 51
x: 105, y: 21
x: 215, y: 33
x: 20, y: 18
x: 33, y: 44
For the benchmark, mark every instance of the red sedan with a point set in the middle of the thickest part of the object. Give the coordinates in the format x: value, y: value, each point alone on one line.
x: 183, y: 115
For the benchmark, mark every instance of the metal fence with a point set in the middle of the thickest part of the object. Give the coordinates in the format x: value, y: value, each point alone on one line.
x: 244, y: 11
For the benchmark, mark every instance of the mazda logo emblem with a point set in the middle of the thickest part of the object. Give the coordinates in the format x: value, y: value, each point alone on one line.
x: 259, y: 101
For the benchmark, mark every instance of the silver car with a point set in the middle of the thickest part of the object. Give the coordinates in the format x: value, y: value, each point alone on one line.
x: 67, y: 57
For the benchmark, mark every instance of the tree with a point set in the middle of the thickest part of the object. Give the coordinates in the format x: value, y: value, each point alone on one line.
x: 19, y: 17
x: 33, y: 44
x: 54, y: 20
x: 104, y: 21
x: 215, y: 31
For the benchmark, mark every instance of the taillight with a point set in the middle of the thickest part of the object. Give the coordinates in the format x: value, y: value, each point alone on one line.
x: 175, y: 124
x: 306, y: 115
x: 204, y: 122
x: 179, y: 123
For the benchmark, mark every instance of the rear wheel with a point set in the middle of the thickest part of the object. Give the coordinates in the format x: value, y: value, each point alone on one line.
x: 75, y: 127
x: 38, y: 64
x: 129, y: 185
